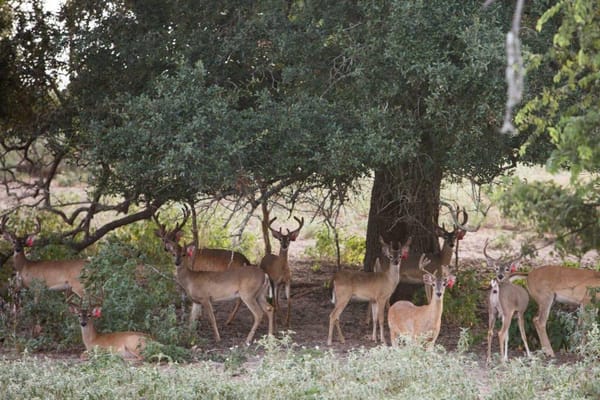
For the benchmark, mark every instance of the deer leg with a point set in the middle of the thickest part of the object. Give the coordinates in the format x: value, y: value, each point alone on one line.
x: 375, y: 314
x: 540, y: 326
x: 380, y: 315
x: 195, y: 313
x: 393, y: 338
x: 289, y: 303
x: 267, y: 308
x: 257, y: 313
x: 334, y: 319
x: 211, y: 316
x: 369, y: 314
x: 490, y: 334
x: 233, y: 312
x: 503, y: 336
x: 521, y: 322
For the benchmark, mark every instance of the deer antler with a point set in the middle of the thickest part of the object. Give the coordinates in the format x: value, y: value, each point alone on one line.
x: 490, y: 259
x: 423, y: 262
x: 7, y: 234
x: 294, y: 233
x: 454, y: 213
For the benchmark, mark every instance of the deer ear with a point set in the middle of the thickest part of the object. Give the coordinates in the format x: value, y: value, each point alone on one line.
x: 178, y: 235
x: 190, y: 250
x: 451, y: 280
x: 29, y: 241
x: 461, y: 234
x: 514, y: 266
x: 97, y: 312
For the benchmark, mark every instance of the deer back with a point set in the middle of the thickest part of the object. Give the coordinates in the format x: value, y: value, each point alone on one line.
x: 276, y: 266
x: 567, y: 285
x: 367, y: 285
x: 221, y: 285
x: 216, y: 259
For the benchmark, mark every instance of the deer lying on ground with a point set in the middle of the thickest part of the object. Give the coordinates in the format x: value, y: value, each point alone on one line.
x: 375, y: 287
x: 276, y: 266
x: 202, y: 259
x: 126, y: 344
x: 54, y: 274
x: 407, y: 319
x: 505, y: 300
x: 248, y: 283
x: 556, y: 283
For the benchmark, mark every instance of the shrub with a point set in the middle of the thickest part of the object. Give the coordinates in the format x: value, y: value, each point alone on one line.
x: 352, y: 247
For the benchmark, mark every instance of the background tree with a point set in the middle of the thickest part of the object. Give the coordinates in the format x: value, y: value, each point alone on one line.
x: 565, y: 110
x: 200, y: 100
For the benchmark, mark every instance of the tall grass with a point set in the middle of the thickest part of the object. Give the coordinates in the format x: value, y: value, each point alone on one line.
x: 286, y: 371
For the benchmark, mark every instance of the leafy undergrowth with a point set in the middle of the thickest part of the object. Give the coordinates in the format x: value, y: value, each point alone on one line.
x: 285, y: 370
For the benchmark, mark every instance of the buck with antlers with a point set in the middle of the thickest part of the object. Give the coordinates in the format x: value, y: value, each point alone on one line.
x: 407, y: 319
x: 276, y: 266
x: 375, y: 287
x: 202, y: 259
x: 54, y: 274
x: 413, y: 274
x: 248, y: 283
x: 126, y: 344
x: 552, y: 283
x: 505, y: 300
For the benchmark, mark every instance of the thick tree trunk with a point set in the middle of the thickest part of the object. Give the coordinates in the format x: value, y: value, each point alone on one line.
x: 404, y: 202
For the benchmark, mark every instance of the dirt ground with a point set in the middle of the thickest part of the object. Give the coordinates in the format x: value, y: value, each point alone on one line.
x: 311, y: 306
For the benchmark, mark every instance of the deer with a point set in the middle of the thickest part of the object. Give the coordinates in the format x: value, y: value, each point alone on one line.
x: 248, y: 283
x: 128, y: 345
x: 277, y: 267
x: 411, y: 273
x: 200, y: 259
x: 54, y: 274
x: 505, y: 300
x: 375, y: 287
x: 393, y: 251
x: 551, y: 283
x: 407, y: 319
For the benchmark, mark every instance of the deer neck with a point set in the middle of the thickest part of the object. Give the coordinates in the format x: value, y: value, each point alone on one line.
x: 20, y: 260
x: 436, y: 305
x: 88, y: 334
x: 446, y: 253
x: 283, y: 253
x: 393, y: 273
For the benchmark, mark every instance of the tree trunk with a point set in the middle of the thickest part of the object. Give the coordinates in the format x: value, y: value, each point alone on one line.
x: 404, y: 202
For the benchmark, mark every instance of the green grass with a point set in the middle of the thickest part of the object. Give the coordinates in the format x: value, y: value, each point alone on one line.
x: 286, y: 371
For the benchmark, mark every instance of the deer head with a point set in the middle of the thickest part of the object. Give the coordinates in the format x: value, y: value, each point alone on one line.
x: 502, y: 268
x: 285, y: 239
x: 176, y: 233
x: 438, y: 283
x: 393, y: 251
x: 19, y: 242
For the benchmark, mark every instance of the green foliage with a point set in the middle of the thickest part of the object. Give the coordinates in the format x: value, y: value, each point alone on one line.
x: 565, y: 110
x: 129, y: 291
x: 352, y: 247
x: 569, y: 213
x: 462, y: 301
x: 38, y: 319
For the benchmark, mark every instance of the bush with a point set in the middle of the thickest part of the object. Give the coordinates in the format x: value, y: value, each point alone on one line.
x: 352, y: 247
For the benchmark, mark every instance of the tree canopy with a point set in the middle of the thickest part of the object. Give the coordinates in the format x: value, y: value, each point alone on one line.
x: 183, y: 100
